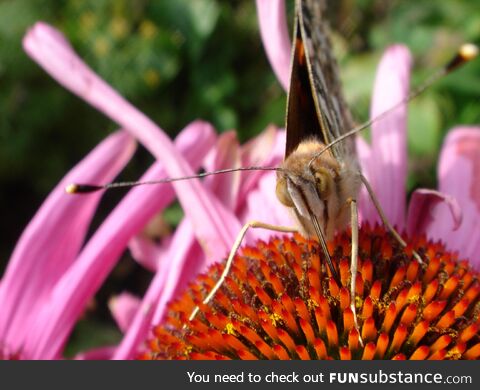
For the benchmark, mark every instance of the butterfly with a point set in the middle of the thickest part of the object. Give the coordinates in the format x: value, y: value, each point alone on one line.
x: 315, y: 186
x: 319, y: 185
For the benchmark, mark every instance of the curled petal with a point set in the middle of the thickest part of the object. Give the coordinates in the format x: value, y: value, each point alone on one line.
x: 274, y: 31
x: 123, y: 308
x: 389, y: 146
x: 422, y: 211
x: 51, y: 241
x: 145, y: 251
x: 458, y: 176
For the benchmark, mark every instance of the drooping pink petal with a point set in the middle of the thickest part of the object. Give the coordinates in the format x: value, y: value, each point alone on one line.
x: 98, y: 257
x: 52, y: 239
x: 214, y: 225
x: 459, y: 177
x: 123, y: 308
x: 389, y: 145
x: 422, y: 211
x: 274, y: 32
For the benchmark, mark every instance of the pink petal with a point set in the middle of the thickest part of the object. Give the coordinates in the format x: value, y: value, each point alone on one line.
x: 123, y: 308
x: 459, y: 177
x: 225, y: 186
x: 195, y: 142
x: 159, y: 292
x: 263, y: 205
x: 213, y: 224
x: 224, y: 155
x: 265, y: 150
x: 191, y: 261
x: 102, y: 353
x: 389, y: 150
x: 260, y: 148
x: 258, y: 200
x: 96, y: 260
x: 172, y: 276
x: 275, y: 37
x: 423, y: 208
x: 51, y: 241
x: 145, y: 251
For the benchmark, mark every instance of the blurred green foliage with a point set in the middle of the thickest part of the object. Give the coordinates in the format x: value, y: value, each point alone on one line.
x: 187, y: 59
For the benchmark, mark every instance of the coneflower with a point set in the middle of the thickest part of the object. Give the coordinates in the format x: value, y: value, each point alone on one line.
x: 51, y: 277
x: 279, y: 302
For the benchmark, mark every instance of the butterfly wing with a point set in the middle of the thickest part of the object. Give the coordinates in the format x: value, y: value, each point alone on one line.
x: 316, y: 107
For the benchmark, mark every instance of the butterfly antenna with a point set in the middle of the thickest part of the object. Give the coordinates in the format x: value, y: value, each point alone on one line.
x: 465, y: 53
x: 75, y: 188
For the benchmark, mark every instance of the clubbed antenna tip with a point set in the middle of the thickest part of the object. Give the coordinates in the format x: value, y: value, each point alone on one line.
x: 81, y: 188
x: 469, y: 51
x: 466, y: 53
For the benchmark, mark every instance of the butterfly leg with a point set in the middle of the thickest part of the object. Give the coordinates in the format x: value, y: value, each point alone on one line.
x: 384, y: 219
x: 354, y: 262
x: 233, y: 252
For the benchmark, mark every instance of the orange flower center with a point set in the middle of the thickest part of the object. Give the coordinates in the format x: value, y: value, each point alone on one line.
x: 279, y: 302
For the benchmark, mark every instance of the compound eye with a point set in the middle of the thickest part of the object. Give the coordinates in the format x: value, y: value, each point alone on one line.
x: 282, y: 193
x: 323, y: 183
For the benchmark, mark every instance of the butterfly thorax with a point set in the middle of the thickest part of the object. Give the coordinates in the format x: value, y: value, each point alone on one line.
x: 320, y: 187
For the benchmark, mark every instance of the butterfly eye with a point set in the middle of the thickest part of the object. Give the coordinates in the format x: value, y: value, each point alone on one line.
x: 282, y: 193
x: 324, y: 182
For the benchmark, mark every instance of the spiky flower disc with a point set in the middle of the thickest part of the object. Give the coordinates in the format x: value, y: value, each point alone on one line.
x: 279, y: 302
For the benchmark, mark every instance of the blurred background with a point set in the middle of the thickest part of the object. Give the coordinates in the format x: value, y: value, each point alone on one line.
x: 183, y: 60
